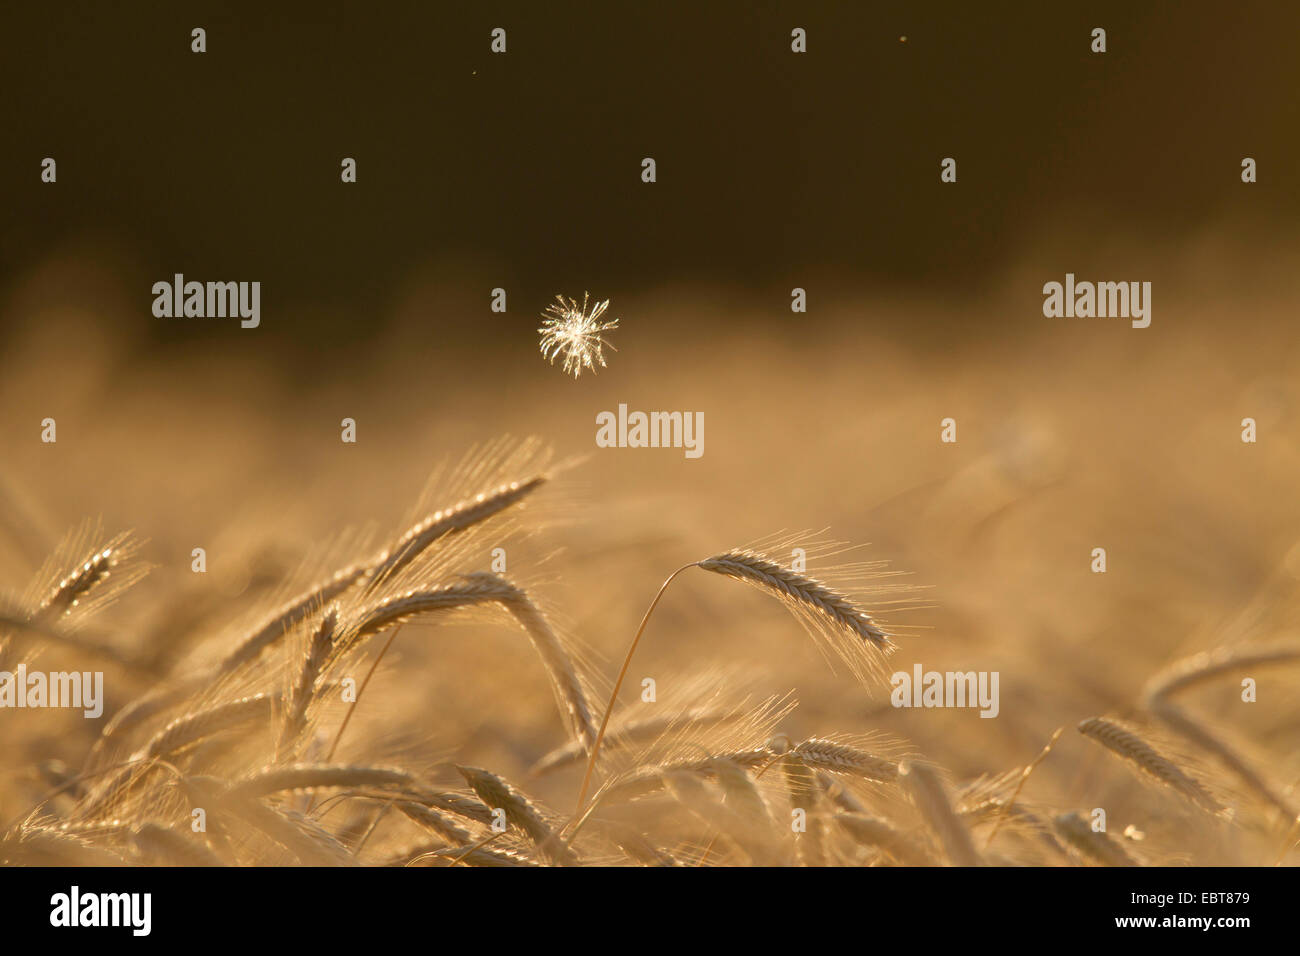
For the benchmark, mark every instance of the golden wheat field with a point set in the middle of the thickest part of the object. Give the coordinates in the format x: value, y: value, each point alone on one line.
x: 401, y: 651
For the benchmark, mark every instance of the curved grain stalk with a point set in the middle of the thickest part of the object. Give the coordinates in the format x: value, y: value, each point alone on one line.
x: 833, y: 619
x: 1204, y: 667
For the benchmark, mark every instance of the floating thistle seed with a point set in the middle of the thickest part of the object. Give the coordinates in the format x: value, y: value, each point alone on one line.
x: 573, y: 332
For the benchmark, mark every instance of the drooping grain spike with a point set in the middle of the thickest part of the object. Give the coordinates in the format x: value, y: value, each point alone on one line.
x: 519, y: 810
x: 1143, y: 757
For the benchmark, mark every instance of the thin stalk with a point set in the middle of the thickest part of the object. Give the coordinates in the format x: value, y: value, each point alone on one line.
x: 1024, y: 776
x: 618, y: 684
x: 361, y: 690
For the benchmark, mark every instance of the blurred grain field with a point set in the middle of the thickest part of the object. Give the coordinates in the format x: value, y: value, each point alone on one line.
x: 1072, y: 435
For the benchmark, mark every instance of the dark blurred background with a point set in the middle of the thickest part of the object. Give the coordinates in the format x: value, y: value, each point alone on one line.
x: 523, y: 170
